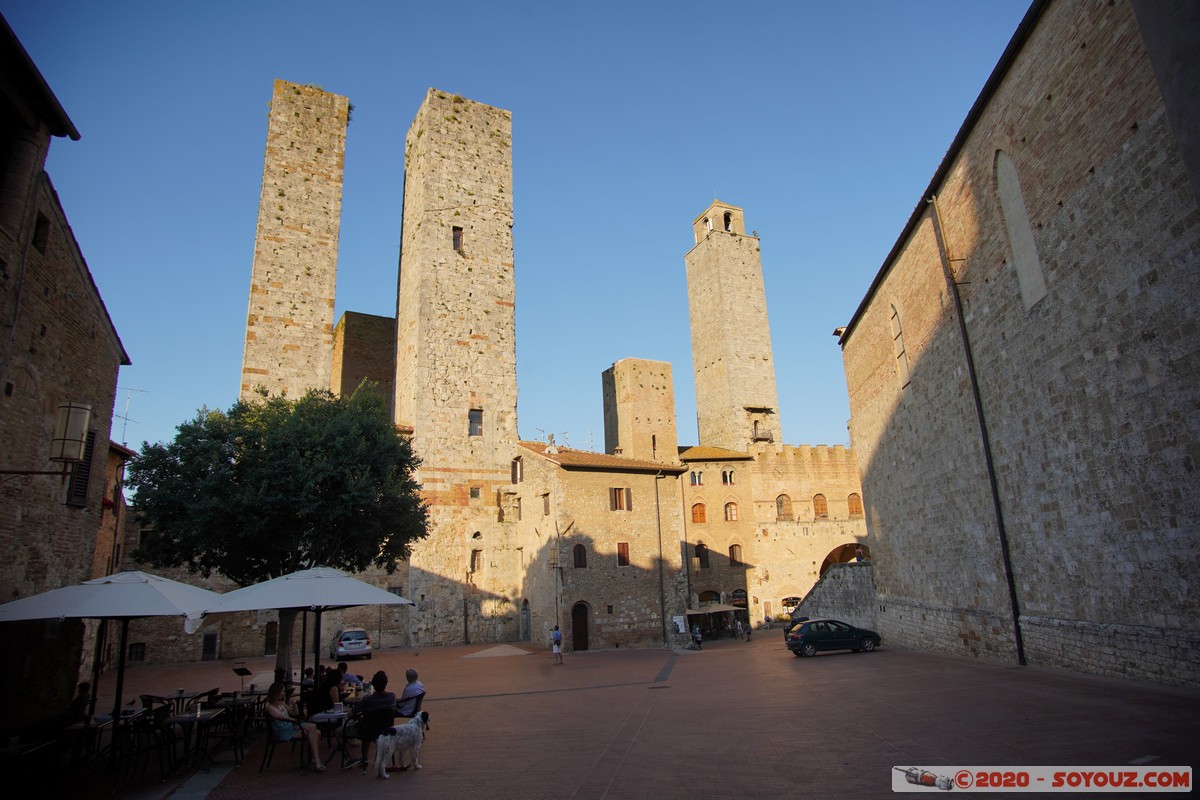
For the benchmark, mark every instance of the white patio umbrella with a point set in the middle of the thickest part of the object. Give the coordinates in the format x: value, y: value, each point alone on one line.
x: 318, y: 589
x: 124, y: 596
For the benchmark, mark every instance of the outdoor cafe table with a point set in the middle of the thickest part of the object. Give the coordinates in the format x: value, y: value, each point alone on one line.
x: 327, y: 721
x: 197, y: 720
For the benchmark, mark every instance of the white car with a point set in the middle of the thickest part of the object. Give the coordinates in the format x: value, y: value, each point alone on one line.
x: 350, y: 643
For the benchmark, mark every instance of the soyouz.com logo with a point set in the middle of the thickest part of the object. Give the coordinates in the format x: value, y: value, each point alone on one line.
x: 1043, y: 779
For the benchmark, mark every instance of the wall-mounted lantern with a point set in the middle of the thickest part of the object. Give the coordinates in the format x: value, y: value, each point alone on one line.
x: 67, y: 447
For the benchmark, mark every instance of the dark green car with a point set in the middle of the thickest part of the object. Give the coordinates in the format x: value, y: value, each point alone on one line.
x: 812, y: 635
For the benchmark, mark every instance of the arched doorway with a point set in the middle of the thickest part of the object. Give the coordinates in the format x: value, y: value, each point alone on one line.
x: 843, y: 554
x: 579, y: 627
x: 526, y: 632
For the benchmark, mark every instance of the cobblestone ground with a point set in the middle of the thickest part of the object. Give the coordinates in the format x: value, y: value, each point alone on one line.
x: 737, y: 720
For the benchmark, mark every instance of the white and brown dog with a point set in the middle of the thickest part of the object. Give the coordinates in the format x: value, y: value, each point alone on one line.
x: 401, y: 740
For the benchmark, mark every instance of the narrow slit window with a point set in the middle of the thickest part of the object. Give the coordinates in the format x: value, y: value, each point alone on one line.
x: 901, y: 355
x: 622, y: 554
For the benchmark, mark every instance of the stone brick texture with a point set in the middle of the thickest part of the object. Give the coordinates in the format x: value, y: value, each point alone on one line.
x: 845, y: 592
x: 58, y: 344
x: 364, y: 348
x: 456, y: 353
x: 1090, y: 397
x: 731, y: 340
x: 289, y: 325
x: 782, y: 554
x: 639, y: 410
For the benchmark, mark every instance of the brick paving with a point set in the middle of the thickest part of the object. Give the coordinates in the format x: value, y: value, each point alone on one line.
x: 737, y: 720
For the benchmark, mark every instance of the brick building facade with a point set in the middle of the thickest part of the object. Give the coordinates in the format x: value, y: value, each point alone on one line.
x: 1023, y: 373
x: 57, y: 345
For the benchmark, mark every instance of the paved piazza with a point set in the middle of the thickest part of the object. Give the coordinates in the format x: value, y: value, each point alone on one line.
x: 737, y: 720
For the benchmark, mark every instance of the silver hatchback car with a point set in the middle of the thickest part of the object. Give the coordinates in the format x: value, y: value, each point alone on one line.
x: 350, y: 643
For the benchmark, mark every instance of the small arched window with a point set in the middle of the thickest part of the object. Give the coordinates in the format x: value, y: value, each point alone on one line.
x: 728, y: 222
x: 727, y: 477
x: 783, y: 507
x: 580, y: 554
x: 735, y: 555
x: 702, y: 555
x: 708, y: 223
x: 731, y: 512
x: 698, y: 513
x: 820, y: 507
x: 854, y: 503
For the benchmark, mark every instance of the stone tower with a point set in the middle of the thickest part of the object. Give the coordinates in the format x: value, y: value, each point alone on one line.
x: 639, y: 410
x: 289, y: 326
x: 731, y: 342
x: 456, y: 379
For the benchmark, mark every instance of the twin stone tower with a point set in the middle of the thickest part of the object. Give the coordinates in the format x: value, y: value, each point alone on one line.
x: 449, y: 357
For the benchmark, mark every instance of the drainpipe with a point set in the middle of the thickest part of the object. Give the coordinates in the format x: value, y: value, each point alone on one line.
x: 687, y: 561
x: 662, y: 590
x: 948, y: 272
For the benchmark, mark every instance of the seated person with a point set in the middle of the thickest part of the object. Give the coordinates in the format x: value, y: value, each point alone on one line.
x: 309, y: 680
x: 381, y: 699
x: 349, y: 677
x: 406, y: 706
x: 78, y: 712
x: 285, y: 728
x: 328, y: 692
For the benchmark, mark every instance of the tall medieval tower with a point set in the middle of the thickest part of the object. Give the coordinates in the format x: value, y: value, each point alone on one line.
x: 289, y: 325
x: 731, y: 342
x: 456, y: 379
x: 639, y: 410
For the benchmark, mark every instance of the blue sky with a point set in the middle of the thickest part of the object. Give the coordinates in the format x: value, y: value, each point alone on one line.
x: 824, y: 121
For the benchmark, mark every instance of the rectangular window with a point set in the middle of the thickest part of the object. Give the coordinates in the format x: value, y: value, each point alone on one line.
x: 457, y: 236
x: 475, y: 422
x: 622, y: 554
x: 517, y: 505
x: 545, y: 504
x: 620, y: 499
x: 474, y: 492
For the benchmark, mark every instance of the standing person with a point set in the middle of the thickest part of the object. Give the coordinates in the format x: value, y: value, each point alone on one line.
x: 556, y: 645
x: 696, y: 636
x: 747, y: 632
x: 739, y: 628
x: 406, y: 706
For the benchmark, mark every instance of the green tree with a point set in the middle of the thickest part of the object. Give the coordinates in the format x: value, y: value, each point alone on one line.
x: 275, y: 485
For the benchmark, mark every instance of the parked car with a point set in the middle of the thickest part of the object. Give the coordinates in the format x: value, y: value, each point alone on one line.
x: 350, y: 643
x: 806, y: 638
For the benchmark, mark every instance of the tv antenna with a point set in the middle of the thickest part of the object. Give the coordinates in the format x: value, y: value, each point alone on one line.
x: 125, y: 420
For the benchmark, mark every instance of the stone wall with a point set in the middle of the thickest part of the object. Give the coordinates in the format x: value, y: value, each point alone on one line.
x: 456, y: 382
x: 731, y: 341
x: 289, y: 325
x: 57, y: 344
x: 364, y: 348
x: 1089, y: 394
x: 845, y: 592
x: 782, y: 554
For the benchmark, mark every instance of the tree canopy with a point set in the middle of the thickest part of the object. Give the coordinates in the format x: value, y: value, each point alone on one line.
x: 275, y: 485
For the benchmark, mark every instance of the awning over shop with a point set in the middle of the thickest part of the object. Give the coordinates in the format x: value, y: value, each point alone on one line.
x: 714, y: 608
